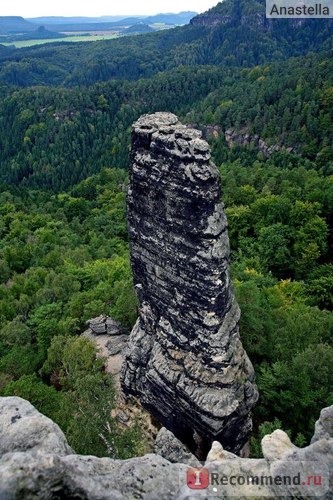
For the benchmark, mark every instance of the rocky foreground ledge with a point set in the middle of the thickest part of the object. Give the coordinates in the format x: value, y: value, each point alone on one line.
x: 37, y: 463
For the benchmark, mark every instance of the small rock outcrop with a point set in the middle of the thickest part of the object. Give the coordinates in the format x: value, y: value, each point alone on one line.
x: 37, y: 463
x: 170, y: 448
x: 105, y: 325
x: 111, y: 338
x: 230, y: 14
x: 275, y: 445
x: 243, y: 138
x: 324, y: 426
x: 184, y: 360
x: 210, y: 20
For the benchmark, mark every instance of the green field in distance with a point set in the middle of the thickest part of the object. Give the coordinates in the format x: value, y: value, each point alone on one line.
x: 75, y: 38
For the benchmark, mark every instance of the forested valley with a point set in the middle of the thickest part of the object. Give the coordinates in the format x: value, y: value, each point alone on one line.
x: 64, y: 256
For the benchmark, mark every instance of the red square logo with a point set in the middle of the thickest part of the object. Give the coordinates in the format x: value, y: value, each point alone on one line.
x: 197, y: 479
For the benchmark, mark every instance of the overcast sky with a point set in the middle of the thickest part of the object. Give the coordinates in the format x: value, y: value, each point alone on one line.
x: 34, y: 8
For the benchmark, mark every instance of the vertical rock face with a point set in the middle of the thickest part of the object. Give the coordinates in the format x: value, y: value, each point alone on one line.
x: 185, y: 360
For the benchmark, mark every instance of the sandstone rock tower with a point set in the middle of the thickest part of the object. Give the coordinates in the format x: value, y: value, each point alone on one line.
x: 185, y: 361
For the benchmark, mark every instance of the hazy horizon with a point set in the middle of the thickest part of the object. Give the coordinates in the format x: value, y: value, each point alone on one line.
x: 99, y: 8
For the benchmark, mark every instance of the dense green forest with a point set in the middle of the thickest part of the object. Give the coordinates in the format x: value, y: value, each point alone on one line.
x: 60, y: 136
x: 65, y: 116
x: 242, y: 36
x: 64, y: 259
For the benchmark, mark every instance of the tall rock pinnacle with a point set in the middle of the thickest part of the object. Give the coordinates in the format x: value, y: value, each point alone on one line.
x: 185, y: 361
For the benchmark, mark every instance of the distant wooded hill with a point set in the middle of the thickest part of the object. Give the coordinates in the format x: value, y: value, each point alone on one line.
x: 14, y: 28
x: 137, y: 29
x: 54, y: 137
x: 15, y: 24
x: 10, y: 25
x: 234, y: 33
x: 169, y: 18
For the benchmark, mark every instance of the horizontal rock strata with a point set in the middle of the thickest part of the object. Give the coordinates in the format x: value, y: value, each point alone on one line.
x: 185, y: 360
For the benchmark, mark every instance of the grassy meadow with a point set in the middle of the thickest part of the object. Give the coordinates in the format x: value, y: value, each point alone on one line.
x: 73, y: 38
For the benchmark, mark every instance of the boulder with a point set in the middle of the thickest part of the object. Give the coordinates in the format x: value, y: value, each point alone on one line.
x: 275, y: 445
x: 22, y: 429
x: 170, y: 448
x: 324, y: 425
x: 105, y: 325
